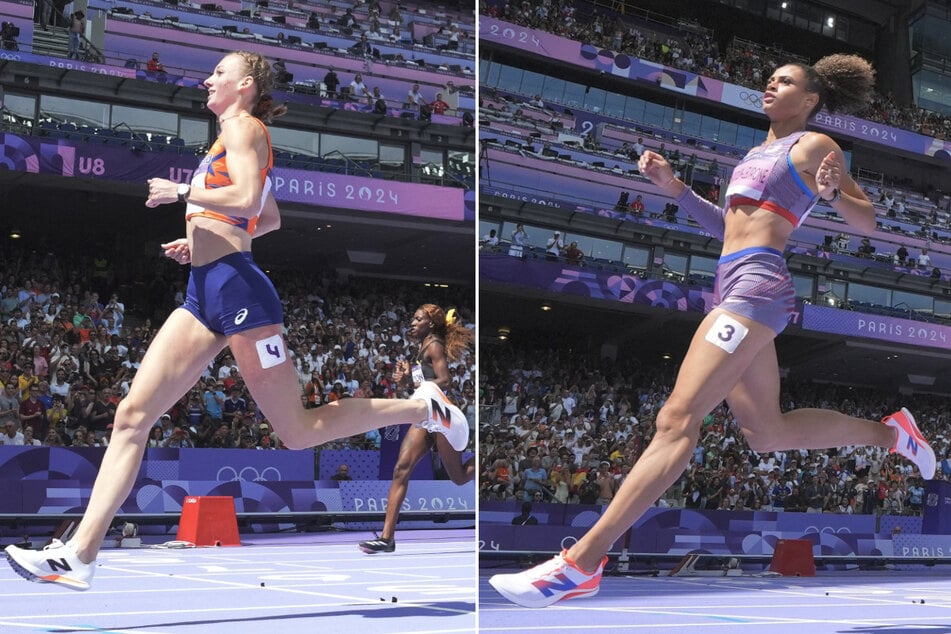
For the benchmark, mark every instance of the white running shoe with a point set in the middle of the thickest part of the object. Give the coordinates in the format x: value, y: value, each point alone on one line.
x: 557, y: 579
x: 57, y: 563
x: 444, y: 417
x: 911, y: 444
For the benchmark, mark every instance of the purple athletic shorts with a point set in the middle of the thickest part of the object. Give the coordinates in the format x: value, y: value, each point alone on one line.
x: 756, y: 284
x: 231, y: 295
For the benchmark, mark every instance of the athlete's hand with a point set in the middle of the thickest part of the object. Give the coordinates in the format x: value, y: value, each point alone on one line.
x: 828, y: 176
x: 656, y: 168
x: 161, y: 192
x: 178, y: 250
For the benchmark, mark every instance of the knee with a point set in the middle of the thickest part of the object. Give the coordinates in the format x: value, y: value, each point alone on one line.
x: 131, y: 421
x: 676, y: 421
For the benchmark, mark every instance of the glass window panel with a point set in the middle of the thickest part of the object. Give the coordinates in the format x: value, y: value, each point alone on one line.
x: 431, y: 157
x: 20, y: 106
x: 868, y: 294
x: 745, y: 136
x: 489, y: 73
x: 193, y: 131
x: 703, y: 265
x: 355, y: 149
x: 392, y: 155
x: 636, y: 256
x: 509, y: 78
x: 728, y: 132
x: 653, y: 114
x: 574, y: 94
x: 594, y: 99
x: 913, y: 301
x: 675, y: 263
x: 554, y: 89
x: 532, y: 83
x: 143, y: 120
x: 805, y: 286
x: 614, y: 105
x: 78, y: 111
x: 942, y: 308
x: 691, y: 123
x: 634, y: 109
x: 710, y: 128
x: 296, y: 141
x: 597, y: 247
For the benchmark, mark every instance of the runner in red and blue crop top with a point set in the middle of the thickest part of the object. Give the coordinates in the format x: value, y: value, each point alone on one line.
x: 230, y: 303
x: 732, y: 355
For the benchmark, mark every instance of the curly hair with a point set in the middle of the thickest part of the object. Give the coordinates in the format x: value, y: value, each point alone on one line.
x: 259, y: 69
x: 456, y: 336
x: 844, y: 83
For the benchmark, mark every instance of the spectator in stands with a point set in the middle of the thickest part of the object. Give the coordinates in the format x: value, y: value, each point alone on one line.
x: 438, y: 106
x: 441, y: 339
x: 733, y: 355
x: 490, y: 240
x: 76, y: 29
x: 866, y: 250
x: 901, y: 254
x: 622, y: 202
x: 525, y: 518
x: 331, y: 81
x: 573, y: 254
x: 154, y: 65
x: 414, y: 97
x: 229, y: 199
x: 11, y: 436
x: 924, y: 260
x: 343, y: 473
x: 46, y: 12
x: 519, y: 236
x: 282, y: 77
x: 358, y: 89
x: 554, y: 246
x: 378, y: 101
x: 637, y: 207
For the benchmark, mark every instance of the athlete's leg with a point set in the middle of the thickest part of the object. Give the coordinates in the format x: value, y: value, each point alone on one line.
x: 754, y: 401
x: 459, y: 472
x: 707, y: 374
x: 261, y: 353
x: 415, y: 445
x: 177, y: 356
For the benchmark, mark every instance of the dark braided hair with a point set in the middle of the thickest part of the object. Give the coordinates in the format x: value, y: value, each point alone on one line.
x: 844, y: 83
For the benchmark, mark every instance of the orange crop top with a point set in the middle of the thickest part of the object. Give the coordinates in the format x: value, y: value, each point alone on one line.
x: 212, y: 172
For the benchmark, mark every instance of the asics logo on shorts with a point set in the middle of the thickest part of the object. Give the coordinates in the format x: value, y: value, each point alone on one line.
x: 241, y: 316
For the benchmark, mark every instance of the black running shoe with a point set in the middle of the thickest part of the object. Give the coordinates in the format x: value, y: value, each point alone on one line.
x: 378, y: 545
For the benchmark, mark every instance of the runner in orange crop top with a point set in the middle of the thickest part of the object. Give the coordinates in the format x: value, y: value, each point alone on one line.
x: 230, y: 303
x: 212, y: 173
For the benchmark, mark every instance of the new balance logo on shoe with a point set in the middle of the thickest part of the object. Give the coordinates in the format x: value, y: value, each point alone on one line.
x: 912, y: 446
x: 560, y: 583
x: 60, y: 564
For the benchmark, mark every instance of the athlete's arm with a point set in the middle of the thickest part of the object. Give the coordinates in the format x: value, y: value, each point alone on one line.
x: 437, y: 356
x: 244, y: 140
x: 822, y: 162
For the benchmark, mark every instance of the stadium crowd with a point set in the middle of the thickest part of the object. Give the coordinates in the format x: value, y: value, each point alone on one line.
x: 68, y: 355
x: 743, y: 63
x: 557, y: 426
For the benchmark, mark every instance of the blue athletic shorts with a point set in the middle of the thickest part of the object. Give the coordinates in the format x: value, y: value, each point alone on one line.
x: 755, y: 283
x: 231, y: 295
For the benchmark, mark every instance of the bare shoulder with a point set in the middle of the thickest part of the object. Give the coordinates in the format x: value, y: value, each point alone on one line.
x: 817, y: 143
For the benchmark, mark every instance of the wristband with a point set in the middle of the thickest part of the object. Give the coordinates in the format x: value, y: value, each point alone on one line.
x: 836, y: 196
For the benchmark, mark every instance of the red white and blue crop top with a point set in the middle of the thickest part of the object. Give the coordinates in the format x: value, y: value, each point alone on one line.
x: 212, y: 173
x: 767, y: 178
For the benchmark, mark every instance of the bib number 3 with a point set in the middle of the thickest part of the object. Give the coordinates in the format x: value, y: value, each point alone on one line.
x: 726, y: 333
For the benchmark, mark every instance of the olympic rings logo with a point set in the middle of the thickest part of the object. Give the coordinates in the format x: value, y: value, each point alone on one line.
x: 752, y: 98
x: 246, y: 473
